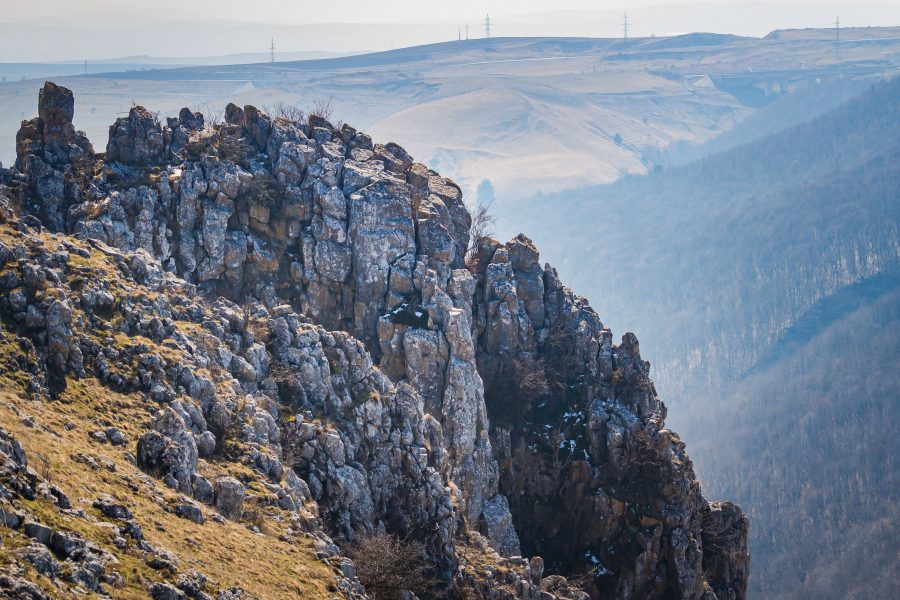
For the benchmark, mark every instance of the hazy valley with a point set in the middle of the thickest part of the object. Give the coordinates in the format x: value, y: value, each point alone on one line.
x: 761, y: 272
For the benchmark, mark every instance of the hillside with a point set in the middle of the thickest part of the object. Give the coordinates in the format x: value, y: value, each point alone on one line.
x: 782, y: 113
x: 800, y: 214
x: 298, y: 330
x: 15, y: 71
x: 737, y: 265
x: 106, y: 28
x: 526, y: 113
x: 831, y: 405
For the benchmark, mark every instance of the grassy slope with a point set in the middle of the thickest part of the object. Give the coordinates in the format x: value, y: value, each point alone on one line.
x: 224, y: 552
x: 227, y: 553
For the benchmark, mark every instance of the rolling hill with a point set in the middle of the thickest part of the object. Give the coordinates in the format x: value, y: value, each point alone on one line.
x: 527, y: 113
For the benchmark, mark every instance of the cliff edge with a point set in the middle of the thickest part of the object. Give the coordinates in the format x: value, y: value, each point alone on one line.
x: 302, y: 338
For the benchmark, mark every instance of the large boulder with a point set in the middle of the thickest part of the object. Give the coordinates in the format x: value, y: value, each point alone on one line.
x: 169, y: 450
x: 497, y: 526
x: 229, y: 497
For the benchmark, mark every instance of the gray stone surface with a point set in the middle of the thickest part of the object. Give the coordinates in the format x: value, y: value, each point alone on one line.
x: 348, y: 355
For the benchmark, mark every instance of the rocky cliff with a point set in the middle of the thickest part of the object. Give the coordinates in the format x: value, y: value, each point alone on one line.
x: 294, y: 299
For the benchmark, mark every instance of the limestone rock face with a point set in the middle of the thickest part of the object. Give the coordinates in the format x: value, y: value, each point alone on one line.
x: 229, y: 495
x: 599, y: 481
x: 725, y: 527
x: 376, y: 367
x: 170, y: 449
x: 498, y: 525
x: 53, y: 155
x: 136, y: 139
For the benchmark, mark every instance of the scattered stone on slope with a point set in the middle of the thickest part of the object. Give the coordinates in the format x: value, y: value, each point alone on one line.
x: 53, y: 553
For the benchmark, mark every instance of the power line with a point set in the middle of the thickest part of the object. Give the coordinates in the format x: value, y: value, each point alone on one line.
x: 837, y: 38
x: 487, y: 26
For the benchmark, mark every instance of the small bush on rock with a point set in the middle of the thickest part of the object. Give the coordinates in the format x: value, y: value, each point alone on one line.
x: 387, y: 566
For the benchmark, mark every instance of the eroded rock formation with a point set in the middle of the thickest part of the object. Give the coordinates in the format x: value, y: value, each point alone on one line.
x: 375, y: 363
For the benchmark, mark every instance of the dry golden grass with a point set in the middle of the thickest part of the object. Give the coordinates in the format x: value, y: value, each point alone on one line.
x: 228, y: 554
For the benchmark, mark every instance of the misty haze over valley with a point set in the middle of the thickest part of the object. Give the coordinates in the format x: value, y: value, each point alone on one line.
x: 279, y: 285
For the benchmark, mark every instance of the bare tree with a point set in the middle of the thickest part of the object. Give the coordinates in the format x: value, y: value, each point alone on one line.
x: 559, y: 441
x: 530, y: 377
x: 482, y: 228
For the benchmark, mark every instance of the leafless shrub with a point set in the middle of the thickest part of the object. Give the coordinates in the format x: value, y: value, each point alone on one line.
x: 287, y: 110
x: 322, y: 107
x: 228, y: 434
x: 263, y: 190
x: 530, y: 377
x: 296, y: 113
x: 231, y: 148
x: 213, y: 113
x: 254, y: 513
x: 280, y: 372
x: 291, y: 449
x: 514, y: 385
x: 387, y: 566
x: 44, y: 470
x: 256, y: 326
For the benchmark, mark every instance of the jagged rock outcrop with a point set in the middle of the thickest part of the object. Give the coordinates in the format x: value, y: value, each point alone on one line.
x: 359, y: 360
x: 594, y: 479
x: 53, y: 155
x: 330, y: 223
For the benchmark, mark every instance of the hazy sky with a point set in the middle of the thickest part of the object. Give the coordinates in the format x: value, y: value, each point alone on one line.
x: 60, y: 30
x: 345, y: 11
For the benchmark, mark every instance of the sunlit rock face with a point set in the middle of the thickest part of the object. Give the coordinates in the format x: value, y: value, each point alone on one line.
x: 450, y: 386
